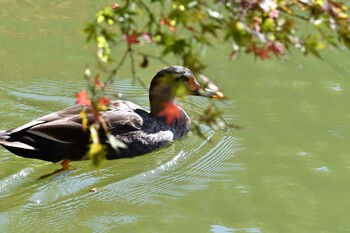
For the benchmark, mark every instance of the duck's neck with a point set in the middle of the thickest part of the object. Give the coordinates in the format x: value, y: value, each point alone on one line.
x: 160, y: 94
x: 159, y: 102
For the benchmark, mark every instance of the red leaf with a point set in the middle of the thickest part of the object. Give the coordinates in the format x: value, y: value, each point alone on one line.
x: 263, y: 53
x: 170, y: 112
x: 97, y: 82
x: 132, y: 39
x: 276, y: 48
x: 82, y: 98
x: 103, y: 101
x: 164, y: 21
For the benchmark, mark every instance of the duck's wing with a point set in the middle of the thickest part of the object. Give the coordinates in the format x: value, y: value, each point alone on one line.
x: 69, y: 114
x: 65, y: 126
x: 122, y: 117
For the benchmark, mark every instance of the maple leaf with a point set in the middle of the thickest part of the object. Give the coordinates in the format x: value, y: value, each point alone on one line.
x: 262, y: 53
x: 170, y: 112
x: 132, y: 39
x: 82, y: 98
x: 103, y: 102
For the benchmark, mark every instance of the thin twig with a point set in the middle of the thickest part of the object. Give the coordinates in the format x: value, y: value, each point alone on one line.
x: 132, y: 61
x: 159, y: 58
x: 133, y: 69
x: 113, y: 73
x: 149, y: 12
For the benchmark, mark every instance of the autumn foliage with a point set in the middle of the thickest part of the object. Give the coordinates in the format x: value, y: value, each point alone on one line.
x: 183, y: 28
x: 264, y: 28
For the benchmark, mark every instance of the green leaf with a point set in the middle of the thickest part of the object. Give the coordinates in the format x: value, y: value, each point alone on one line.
x: 90, y: 31
x: 313, y: 45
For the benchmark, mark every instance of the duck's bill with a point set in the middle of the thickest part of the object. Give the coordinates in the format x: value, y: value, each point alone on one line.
x: 199, y: 90
x: 209, y: 93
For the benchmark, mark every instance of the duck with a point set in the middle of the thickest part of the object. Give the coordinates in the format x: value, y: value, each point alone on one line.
x: 62, y: 136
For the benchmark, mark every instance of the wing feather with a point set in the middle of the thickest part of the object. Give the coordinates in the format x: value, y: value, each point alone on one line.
x: 65, y: 126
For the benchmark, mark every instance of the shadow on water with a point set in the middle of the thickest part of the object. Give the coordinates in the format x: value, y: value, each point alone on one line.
x: 117, y: 193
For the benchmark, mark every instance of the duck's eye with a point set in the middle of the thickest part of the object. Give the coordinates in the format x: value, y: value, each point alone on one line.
x: 192, y: 84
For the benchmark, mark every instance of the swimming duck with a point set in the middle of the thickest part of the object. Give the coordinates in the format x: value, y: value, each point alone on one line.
x: 61, y: 136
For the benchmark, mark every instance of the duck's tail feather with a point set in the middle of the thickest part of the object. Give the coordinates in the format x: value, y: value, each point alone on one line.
x: 18, y: 145
x: 4, y: 136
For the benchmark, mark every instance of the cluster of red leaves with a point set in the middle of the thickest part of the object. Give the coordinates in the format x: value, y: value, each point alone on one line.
x: 134, y: 38
x: 82, y: 98
x: 170, y: 112
x: 102, y: 101
x: 264, y: 52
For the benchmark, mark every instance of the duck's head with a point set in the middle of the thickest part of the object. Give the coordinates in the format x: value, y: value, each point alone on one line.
x: 175, y: 81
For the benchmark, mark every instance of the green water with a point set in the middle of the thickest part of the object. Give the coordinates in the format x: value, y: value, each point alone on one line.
x: 288, y: 170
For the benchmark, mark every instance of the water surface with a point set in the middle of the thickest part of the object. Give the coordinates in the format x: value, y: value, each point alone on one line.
x: 287, y: 170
